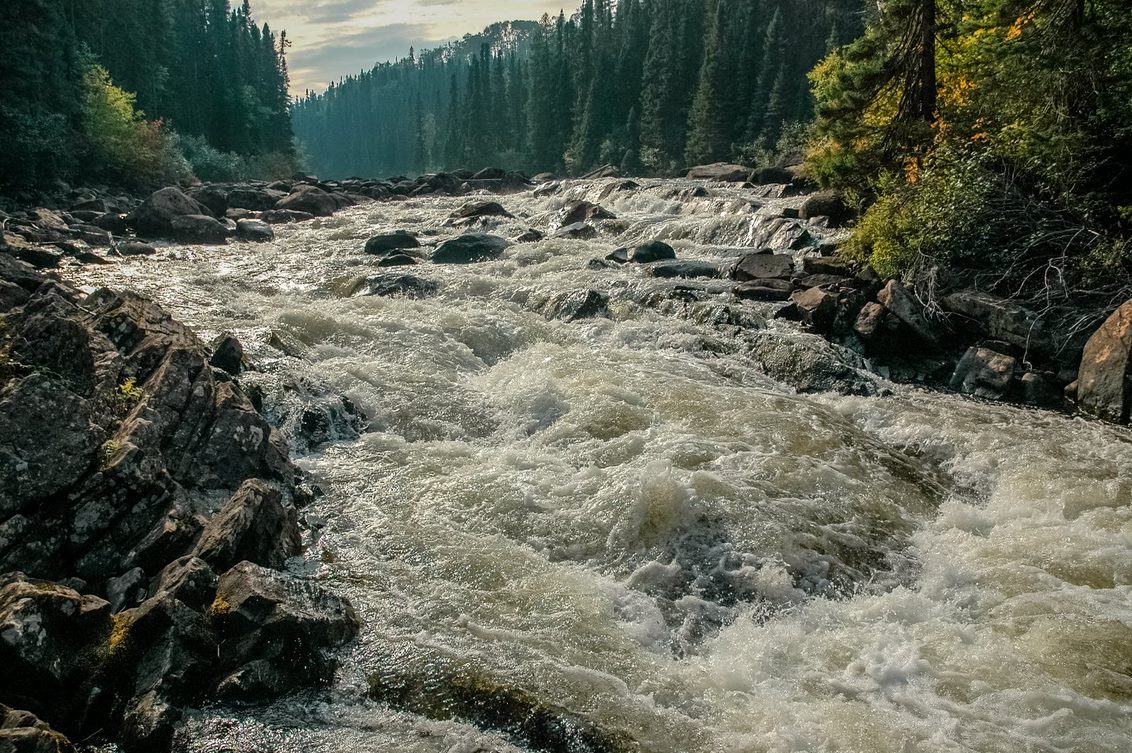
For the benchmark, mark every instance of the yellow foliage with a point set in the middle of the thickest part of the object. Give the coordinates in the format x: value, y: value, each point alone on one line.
x: 220, y: 606
x: 119, y: 631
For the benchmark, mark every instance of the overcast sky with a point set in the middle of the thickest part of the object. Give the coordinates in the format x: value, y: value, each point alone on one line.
x: 335, y: 38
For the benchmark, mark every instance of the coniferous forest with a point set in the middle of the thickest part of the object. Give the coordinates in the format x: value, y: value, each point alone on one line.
x: 646, y: 85
x: 140, y: 91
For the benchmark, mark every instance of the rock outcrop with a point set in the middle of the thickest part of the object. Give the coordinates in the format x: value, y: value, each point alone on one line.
x: 1104, y: 381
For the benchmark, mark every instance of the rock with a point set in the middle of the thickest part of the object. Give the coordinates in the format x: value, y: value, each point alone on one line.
x: 111, y: 222
x: 721, y: 172
x: 23, y: 732
x: 874, y: 322
x: 605, y: 171
x: 770, y: 289
x: 772, y: 176
x: 1040, y: 388
x: 397, y: 260
x: 198, y: 228
x: 827, y: 265
x: 480, y: 209
x: 763, y: 266
x: 811, y: 364
x: 309, y: 199
x: 644, y: 253
x: 154, y: 216
x: 127, y: 590
x: 408, y: 286
x: 254, y: 525
x: 308, y: 412
x: 284, y: 216
x: 579, y: 230
x: 40, y: 257
x: 582, y: 211
x: 256, y: 231
x: 829, y: 282
x: 684, y: 269
x: 908, y: 310
x: 382, y: 245
x: 579, y: 304
x: 544, y: 178
x: 817, y: 307
x: 189, y: 580
x: 825, y: 204
x: 228, y: 354
x: 255, y: 199
x: 1104, y: 380
x: 277, y: 631
x: 46, y: 218
x: 490, y: 173
x: 984, y: 373
x: 470, y: 248
x: 530, y: 235
x: 1000, y: 319
x: 135, y: 248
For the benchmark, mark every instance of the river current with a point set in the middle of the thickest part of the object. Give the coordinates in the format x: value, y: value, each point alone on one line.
x: 622, y: 525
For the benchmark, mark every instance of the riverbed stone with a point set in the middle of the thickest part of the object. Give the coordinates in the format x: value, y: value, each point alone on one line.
x: 384, y: 244
x: 154, y: 216
x: 763, y: 266
x: 199, y: 228
x: 310, y: 200
x: 1104, y: 381
x: 721, y: 172
x: 904, y: 306
x: 579, y: 304
x: 256, y: 231
x: 470, y: 248
x: 984, y: 373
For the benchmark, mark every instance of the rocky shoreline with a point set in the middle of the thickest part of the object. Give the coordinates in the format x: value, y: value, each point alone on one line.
x: 148, y: 501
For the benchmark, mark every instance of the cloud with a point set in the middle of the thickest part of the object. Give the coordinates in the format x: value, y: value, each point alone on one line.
x: 334, y: 11
x: 314, y: 67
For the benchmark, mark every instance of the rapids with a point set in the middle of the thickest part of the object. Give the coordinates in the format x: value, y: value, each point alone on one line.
x: 622, y: 522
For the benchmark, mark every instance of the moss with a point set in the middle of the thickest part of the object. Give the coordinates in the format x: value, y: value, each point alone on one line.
x: 119, y: 632
x: 107, y: 452
x: 220, y: 606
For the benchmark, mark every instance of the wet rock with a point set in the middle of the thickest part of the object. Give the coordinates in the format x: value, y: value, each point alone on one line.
x: 1040, y: 388
x: 385, y: 243
x: 577, y: 230
x: 999, y: 318
x: 825, y: 204
x: 582, y: 211
x: 41, y: 257
x: 874, y: 323
x: 284, y: 216
x: 470, y: 248
x: 827, y: 265
x: 643, y: 253
x: 135, y: 248
x: 112, y: 222
x: 480, y: 209
x: 829, y: 282
x: 256, y: 231
x: 308, y: 413
x: 188, y: 579
x: 228, y: 354
x: 684, y: 269
x: 409, y: 286
x: 772, y: 176
x: 1104, y: 381
x: 23, y: 732
x: 904, y: 306
x: 254, y: 525
x: 579, y: 304
x: 127, y: 590
x: 309, y: 199
x: 770, y: 289
x: 605, y: 171
x: 817, y: 308
x: 277, y: 631
x: 530, y: 235
x: 722, y: 172
x: 984, y: 373
x: 763, y: 266
x: 397, y: 260
x: 198, y: 228
x: 154, y: 216
x: 811, y: 364
x: 255, y: 199
x: 543, y: 178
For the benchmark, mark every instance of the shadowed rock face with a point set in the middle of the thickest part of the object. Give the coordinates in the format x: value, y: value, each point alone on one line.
x: 118, y: 445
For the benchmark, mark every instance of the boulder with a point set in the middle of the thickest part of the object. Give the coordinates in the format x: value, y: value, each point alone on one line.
x: 23, y: 732
x: 577, y: 230
x: 825, y: 204
x: 470, y: 248
x: 811, y: 364
x: 827, y: 265
x: 227, y: 354
x: 763, y: 266
x: 470, y: 212
x: 582, y: 211
x: 772, y: 176
x: 579, y: 304
x: 284, y: 216
x: 40, y: 257
x: 256, y: 231
x: 127, y: 590
x: 187, y: 579
x: 277, y: 632
x: 199, y: 228
x: 998, y: 318
x: 408, y: 286
x: 1104, y: 380
x: 769, y: 289
x: 255, y: 199
x: 817, y: 308
x: 684, y: 269
x: 254, y: 525
x: 904, y: 306
x: 643, y: 253
x: 530, y: 235
x: 490, y: 173
x: 874, y: 322
x: 154, y: 216
x: 135, y: 248
x: 722, y: 172
x: 111, y: 222
x: 397, y: 260
x: 309, y: 199
x: 308, y: 412
x: 984, y: 373
x: 383, y: 244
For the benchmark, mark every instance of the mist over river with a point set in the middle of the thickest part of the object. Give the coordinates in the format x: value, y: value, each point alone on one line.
x: 623, y: 522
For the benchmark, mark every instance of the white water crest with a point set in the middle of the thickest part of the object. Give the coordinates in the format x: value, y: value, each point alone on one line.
x: 627, y: 522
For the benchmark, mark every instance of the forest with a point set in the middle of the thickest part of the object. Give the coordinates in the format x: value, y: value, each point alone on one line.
x: 137, y: 92
x: 646, y: 85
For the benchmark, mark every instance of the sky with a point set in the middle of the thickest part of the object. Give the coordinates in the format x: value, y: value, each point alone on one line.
x: 335, y: 38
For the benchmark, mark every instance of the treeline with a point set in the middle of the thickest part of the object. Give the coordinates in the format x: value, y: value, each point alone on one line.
x: 990, y: 140
x: 140, y: 91
x: 648, y: 85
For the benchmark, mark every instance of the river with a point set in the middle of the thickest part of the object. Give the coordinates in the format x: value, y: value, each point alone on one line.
x: 622, y: 523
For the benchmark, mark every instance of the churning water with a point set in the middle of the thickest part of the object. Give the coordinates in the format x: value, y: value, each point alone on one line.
x: 621, y: 529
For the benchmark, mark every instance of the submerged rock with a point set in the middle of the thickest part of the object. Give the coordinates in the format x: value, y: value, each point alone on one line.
x: 579, y: 304
x: 642, y: 253
x: 470, y: 248
x: 684, y: 269
x: 385, y: 243
x: 811, y: 364
x: 256, y: 231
